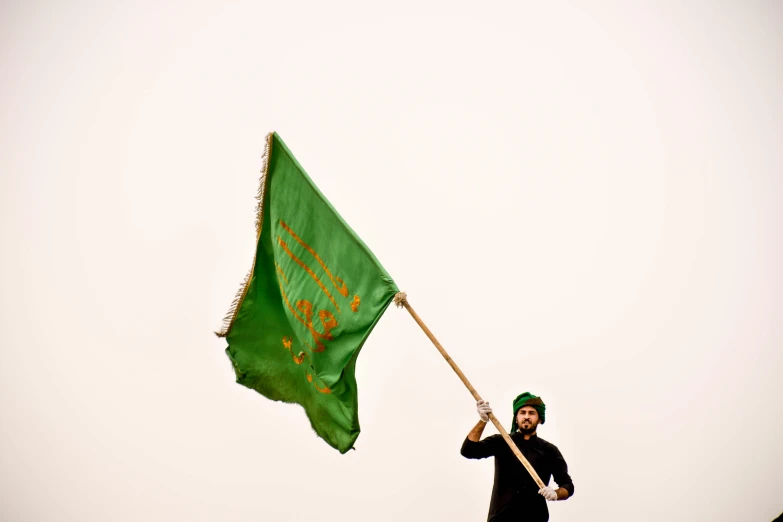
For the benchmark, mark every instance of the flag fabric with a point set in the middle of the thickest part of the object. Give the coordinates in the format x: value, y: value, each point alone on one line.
x: 310, y: 301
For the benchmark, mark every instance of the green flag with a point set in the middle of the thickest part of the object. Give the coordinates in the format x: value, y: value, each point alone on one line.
x: 308, y: 304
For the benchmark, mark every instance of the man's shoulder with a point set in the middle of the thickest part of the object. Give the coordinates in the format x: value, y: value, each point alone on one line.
x: 547, y: 445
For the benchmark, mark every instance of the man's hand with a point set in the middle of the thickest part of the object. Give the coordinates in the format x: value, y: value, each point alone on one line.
x: 548, y: 493
x: 484, y: 410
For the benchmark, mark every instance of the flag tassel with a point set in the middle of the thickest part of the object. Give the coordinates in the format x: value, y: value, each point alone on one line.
x: 401, y: 300
x: 233, y: 310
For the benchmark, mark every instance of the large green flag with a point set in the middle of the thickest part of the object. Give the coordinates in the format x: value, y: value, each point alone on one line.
x: 308, y: 304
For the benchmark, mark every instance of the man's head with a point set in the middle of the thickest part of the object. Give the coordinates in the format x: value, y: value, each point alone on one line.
x: 527, y: 420
x: 529, y: 412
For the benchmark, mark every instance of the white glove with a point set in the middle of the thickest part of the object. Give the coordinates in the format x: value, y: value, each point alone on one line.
x: 483, y: 410
x: 548, y: 493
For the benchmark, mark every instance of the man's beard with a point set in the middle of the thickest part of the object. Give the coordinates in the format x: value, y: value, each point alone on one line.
x: 529, y: 430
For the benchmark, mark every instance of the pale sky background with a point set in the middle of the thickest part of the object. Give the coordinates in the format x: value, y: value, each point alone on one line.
x: 582, y: 201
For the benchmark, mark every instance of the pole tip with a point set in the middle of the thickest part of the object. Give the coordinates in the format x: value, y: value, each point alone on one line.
x: 400, y: 299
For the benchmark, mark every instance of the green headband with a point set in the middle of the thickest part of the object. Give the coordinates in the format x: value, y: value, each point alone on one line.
x: 528, y: 399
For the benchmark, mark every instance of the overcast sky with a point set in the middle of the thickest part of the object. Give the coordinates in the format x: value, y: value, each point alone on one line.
x: 582, y: 201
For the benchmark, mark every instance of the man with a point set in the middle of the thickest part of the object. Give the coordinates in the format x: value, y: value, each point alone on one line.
x: 515, y: 495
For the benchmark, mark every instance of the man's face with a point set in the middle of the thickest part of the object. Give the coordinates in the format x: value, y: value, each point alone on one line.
x: 527, y: 419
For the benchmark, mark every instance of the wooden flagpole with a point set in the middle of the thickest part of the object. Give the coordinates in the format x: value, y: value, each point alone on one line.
x: 401, y: 299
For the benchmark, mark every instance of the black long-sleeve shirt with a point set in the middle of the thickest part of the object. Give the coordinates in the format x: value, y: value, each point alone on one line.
x: 515, y: 493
